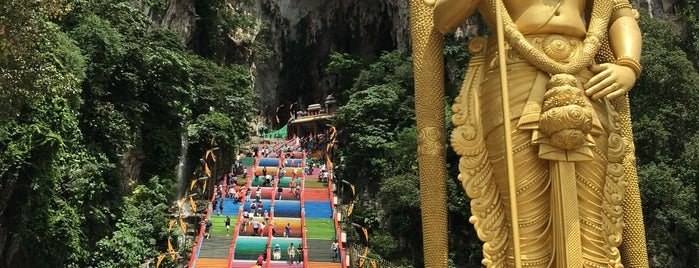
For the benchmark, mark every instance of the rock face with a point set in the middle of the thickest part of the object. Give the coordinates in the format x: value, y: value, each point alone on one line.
x: 297, y: 37
x: 661, y: 9
x: 289, y: 50
x: 308, y: 31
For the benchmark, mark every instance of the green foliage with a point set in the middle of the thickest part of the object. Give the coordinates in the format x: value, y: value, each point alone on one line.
x: 80, y: 97
x: 392, y: 68
x: 690, y: 10
x: 344, y: 68
x: 665, y: 131
x: 670, y: 216
x: 142, y: 229
x: 218, y: 21
x: 224, y: 104
x: 48, y: 178
x: 380, y: 106
x: 57, y: 181
x: 371, y: 115
x: 456, y: 58
x: 402, y: 152
x: 384, y: 244
x: 399, y: 197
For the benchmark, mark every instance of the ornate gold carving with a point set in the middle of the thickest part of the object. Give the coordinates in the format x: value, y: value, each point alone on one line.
x: 567, y: 130
x: 597, y: 31
x: 557, y: 47
x: 567, y: 117
x: 631, y: 63
x: 427, y: 47
x: 430, y: 141
x: 622, y: 5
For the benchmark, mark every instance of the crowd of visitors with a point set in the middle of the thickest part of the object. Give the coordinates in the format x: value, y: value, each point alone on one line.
x: 256, y: 219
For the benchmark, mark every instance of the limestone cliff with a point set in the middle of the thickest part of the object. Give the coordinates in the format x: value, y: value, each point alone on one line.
x: 288, y: 51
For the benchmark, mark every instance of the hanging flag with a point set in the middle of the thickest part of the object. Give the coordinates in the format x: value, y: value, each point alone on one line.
x: 334, y: 133
x: 276, y: 114
x: 191, y: 184
x: 160, y: 259
x: 291, y: 111
x: 191, y: 203
x: 169, y: 246
x: 212, y: 154
x: 349, y: 210
x: 183, y: 226
x: 366, y: 235
x: 352, y: 186
x: 207, y: 170
x: 203, y: 187
x: 181, y: 203
x: 373, y: 263
x: 169, y: 228
x: 363, y: 258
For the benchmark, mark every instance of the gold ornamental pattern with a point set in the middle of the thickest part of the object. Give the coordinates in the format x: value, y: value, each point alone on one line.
x: 428, y: 62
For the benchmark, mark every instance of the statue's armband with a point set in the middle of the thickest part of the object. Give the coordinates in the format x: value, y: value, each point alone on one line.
x: 622, y: 8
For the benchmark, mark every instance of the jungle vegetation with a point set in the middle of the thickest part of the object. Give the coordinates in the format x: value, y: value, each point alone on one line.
x: 90, y: 90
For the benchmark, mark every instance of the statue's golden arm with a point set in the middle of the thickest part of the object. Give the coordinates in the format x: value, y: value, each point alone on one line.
x: 625, y: 41
x: 614, y: 80
x: 449, y: 14
x: 625, y: 37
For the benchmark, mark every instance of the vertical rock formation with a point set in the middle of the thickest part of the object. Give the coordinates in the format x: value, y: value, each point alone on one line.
x: 288, y: 52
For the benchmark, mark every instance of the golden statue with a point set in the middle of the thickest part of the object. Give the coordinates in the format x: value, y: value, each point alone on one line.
x: 556, y: 186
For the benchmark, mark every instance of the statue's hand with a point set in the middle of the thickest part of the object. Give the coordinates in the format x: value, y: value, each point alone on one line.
x: 610, y: 81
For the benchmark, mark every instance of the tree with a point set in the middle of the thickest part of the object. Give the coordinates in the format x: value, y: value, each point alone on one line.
x: 665, y: 131
x: 399, y: 199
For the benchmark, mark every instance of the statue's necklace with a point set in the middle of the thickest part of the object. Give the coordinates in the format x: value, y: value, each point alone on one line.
x: 597, y: 30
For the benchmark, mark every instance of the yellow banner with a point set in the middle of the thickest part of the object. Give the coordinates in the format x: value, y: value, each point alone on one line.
x: 169, y: 228
x: 366, y: 234
x: 212, y: 154
x: 191, y: 203
x: 183, y: 226
x: 191, y: 184
x: 349, y: 210
x: 207, y: 170
x: 363, y: 258
x: 169, y: 246
x: 352, y: 186
x: 373, y: 263
x: 160, y: 259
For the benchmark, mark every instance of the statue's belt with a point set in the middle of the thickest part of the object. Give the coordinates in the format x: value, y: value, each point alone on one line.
x: 557, y: 47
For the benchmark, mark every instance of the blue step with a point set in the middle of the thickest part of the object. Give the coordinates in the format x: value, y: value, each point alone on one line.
x: 318, y: 209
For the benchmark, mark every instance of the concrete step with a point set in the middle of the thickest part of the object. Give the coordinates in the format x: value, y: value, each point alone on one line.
x: 216, y: 247
x: 319, y: 250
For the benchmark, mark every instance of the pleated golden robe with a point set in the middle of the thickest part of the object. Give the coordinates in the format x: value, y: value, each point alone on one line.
x: 479, y: 139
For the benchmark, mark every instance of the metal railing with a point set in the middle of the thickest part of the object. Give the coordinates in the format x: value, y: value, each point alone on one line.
x: 355, y: 252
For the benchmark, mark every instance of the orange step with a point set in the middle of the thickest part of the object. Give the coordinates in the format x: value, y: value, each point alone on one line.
x: 211, y: 263
x: 312, y: 264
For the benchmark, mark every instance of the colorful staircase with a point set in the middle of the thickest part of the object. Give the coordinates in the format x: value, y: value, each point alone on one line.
x: 310, y: 217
